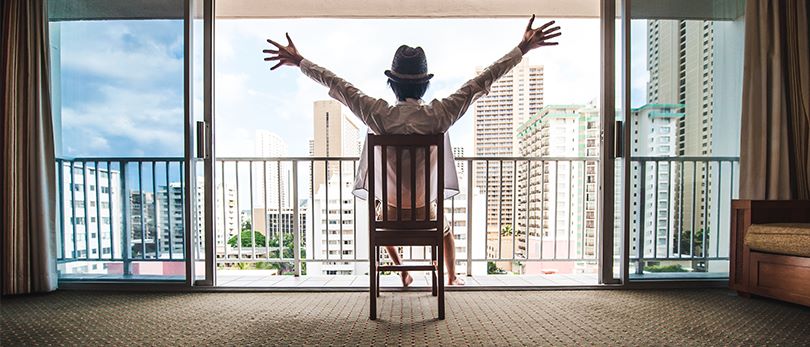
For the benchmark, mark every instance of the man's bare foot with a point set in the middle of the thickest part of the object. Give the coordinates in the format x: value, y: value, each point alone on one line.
x: 455, y: 281
x: 406, y: 279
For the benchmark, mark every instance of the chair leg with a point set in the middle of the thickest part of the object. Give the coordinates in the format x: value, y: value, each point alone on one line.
x: 433, y: 290
x: 378, y: 273
x: 440, y: 276
x: 372, y: 285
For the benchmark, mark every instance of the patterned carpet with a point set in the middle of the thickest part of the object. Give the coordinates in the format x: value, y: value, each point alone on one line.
x: 607, y: 317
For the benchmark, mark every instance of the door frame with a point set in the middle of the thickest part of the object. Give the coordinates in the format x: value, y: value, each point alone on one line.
x: 199, y: 144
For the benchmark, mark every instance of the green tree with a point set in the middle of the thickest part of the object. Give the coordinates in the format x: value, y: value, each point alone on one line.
x: 665, y: 268
x: 690, y: 242
x: 506, y: 230
x: 493, y: 269
x: 287, y: 251
x: 247, y: 240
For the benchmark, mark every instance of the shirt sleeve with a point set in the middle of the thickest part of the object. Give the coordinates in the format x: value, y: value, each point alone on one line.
x: 371, y: 111
x: 451, y: 108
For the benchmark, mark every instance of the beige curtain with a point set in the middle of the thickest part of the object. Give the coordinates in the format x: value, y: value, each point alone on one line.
x: 28, y: 183
x: 775, y: 136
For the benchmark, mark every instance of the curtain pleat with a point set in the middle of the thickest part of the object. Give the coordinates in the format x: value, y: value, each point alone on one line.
x: 775, y: 134
x: 28, y: 222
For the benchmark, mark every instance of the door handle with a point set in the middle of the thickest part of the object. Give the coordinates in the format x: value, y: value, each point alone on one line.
x: 618, y: 139
x: 202, y: 140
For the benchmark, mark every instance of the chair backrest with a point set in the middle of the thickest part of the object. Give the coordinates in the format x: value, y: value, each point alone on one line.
x: 406, y: 174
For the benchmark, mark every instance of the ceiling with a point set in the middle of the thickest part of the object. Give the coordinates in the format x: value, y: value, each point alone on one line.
x: 63, y: 10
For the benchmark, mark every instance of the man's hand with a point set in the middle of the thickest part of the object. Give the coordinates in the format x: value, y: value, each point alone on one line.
x: 534, y: 38
x: 286, y: 55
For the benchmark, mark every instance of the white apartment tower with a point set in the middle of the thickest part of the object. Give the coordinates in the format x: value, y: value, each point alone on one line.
x: 272, y: 184
x: 335, y: 134
x: 340, y: 223
x: 654, y: 212
x: 680, y: 60
x: 510, y: 102
x: 92, y: 223
x: 557, y: 200
x: 340, y: 229
x: 457, y: 153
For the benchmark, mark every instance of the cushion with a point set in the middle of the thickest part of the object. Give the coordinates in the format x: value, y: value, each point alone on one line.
x: 780, y: 238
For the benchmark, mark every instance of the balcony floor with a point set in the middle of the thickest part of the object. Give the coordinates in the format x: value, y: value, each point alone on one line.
x: 263, y: 278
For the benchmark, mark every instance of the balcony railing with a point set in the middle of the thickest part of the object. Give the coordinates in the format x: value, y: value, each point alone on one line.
x: 120, y: 213
x: 680, y: 210
x: 296, y: 215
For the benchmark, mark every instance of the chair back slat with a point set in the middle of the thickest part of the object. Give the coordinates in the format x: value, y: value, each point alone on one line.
x: 414, y: 186
x: 428, y: 183
x: 399, y: 181
x: 384, y: 166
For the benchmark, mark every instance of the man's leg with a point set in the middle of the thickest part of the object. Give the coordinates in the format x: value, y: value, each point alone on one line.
x: 450, y: 260
x: 392, y: 252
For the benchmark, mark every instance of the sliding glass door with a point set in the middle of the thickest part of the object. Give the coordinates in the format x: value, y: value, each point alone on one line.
x: 127, y: 86
x: 682, y: 136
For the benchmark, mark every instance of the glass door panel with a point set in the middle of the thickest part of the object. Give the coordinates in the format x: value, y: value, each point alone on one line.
x: 685, y: 89
x: 117, y: 82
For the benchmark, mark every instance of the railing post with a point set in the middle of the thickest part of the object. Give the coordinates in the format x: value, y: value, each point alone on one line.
x: 60, y: 166
x: 469, y: 217
x: 126, y: 250
x: 642, y: 212
x: 297, y: 232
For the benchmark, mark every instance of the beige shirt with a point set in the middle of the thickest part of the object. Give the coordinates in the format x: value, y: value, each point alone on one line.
x: 410, y: 117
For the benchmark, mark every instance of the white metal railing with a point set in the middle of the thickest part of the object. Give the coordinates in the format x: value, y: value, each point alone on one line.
x: 297, y: 214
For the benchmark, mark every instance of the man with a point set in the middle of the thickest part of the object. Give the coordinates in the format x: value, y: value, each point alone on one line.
x: 409, y: 80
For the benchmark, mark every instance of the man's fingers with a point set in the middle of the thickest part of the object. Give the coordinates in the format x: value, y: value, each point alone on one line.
x: 274, y: 43
x: 549, y: 31
x: 289, y: 40
x: 544, y: 26
x: 272, y: 58
x: 272, y: 51
x: 547, y: 37
x: 531, y: 21
x: 549, y: 43
x: 277, y: 65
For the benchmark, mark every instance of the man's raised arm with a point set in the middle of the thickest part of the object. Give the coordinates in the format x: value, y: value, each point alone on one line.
x: 455, y: 105
x: 370, y: 110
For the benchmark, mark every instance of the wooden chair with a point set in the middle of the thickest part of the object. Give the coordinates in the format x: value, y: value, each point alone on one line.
x: 404, y: 230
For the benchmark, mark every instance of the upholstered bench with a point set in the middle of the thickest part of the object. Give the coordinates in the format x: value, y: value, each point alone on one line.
x: 770, y: 249
x: 780, y: 238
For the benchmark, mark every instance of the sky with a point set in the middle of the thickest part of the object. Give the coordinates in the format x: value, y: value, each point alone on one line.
x: 122, y: 81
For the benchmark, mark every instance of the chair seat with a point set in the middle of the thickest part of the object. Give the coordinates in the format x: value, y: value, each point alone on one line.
x: 407, y: 238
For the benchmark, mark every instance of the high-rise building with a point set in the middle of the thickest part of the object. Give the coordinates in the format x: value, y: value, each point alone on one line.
x: 227, y: 216
x: 340, y: 224
x: 169, y: 215
x: 335, y: 134
x: 340, y: 229
x: 273, y: 177
x: 557, y: 200
x: 680, y: 60
x: 512, y: 99
x: 654, y: 212
x: 457, y: 153
x: 93, y: 221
